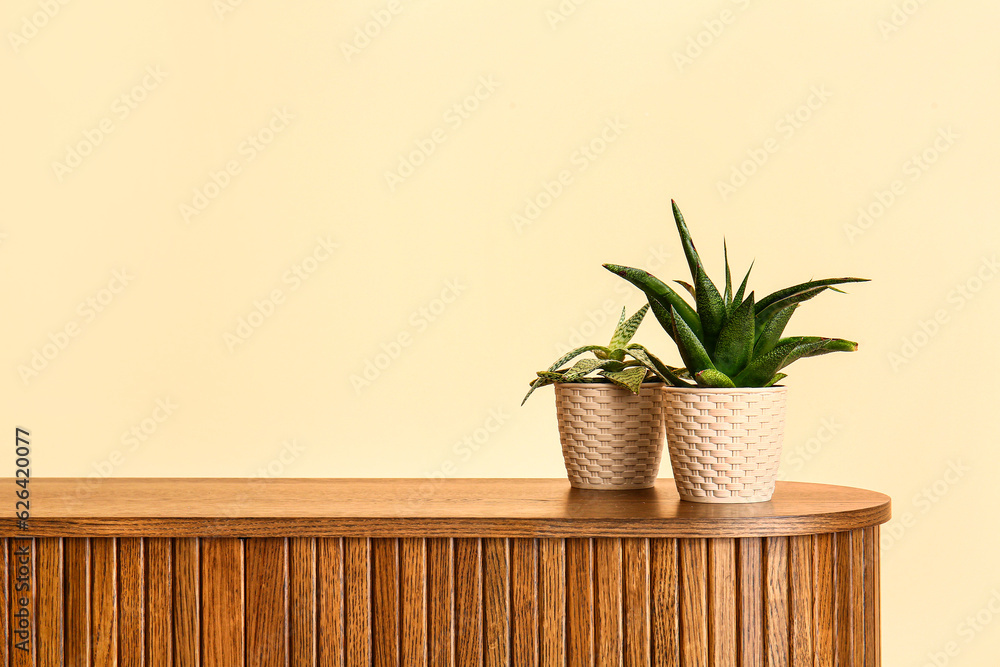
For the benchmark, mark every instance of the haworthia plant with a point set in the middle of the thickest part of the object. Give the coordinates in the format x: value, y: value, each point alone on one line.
x: 621, y: 362
x: 727, y: 339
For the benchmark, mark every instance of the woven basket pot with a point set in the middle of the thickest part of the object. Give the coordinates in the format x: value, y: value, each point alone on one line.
x: 611, y: 438
x: 725, y: 444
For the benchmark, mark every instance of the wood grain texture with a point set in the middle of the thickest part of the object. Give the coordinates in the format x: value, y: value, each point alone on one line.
x: 843, y: 632
x: 76, y: 588
x: 468, y: 621
x: 776, y: 601
x: 266, y: 582
x: 664, y: 589
x: 413, y: 602
x: 693, y: 599
x: 357, y: 602
x: 187, y: 594
x: 871, y: 594
x: 824, y: 599
x: 608, y: 582
x: 23, y: 586
x: 50, y: 630
x: 722, y: 598
x: 636, y: 615
x: 496, y: 602
x: 552, y: 602
x: 5, y: 602
x: 161, y: 507
x: 750, y: 602
x: 330, y: 601
x: 302, y: 600
x: 104, y: 601
x: 579, y: 601
x: 385, y: 602
x: 131, y: 602
x: 440, y: 603
x: 222, y: 602
x: 524, y: 594
x: 856, y: 597
x: 159, y: 601
x: 800, y: 573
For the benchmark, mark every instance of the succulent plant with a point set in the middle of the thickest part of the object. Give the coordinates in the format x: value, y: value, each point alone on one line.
x: 610, y: 363
x: 726, y: 339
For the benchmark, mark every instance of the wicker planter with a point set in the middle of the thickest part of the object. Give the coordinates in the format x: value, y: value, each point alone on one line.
x: 611, y: 438
x: 725, y: 444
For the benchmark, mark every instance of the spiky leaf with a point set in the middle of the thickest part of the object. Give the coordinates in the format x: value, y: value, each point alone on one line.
x: 688, y: 286
x: 783, y: 294
x: 728, y: 296
x: 771, y: 331
x: 656, y: 290
x: 762, y: 369
x: 824, y: 346
x: 630, y: 378
x: 736, y: 341
x: 690, y: 252
x: 738, y: 297
x: 713, y: 378
x: 764, y: 316
x: 711, y: 309
x: 626, y: 328
x: 778, y: 377
x: 692, y: 351
x: 572, y: 354
x: 650, y: 361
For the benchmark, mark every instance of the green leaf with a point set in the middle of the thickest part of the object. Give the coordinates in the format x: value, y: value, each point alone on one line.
x: 735, y: 346
x: 585, y: 366
x: 783, y: 294
x: 778, y: 377
x: 690, y: 252
x: 767, y: 314
x: 713, y: 378
x: 650, y: 361
x: 824, y: 346
x: 711, y: 309
x: 728, y: 297
x: 688, y: 286
x: 630, y: 378
x: 542, y: 380
x: 762, y: 369
x: 626, y: 328
x: 656, y: 290
x: 771, y: 331
x: 692, y: 351
x: 738, y: 297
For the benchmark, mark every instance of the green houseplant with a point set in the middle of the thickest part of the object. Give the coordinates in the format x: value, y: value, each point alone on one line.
x: 725, y: 412
x: 609, y: 409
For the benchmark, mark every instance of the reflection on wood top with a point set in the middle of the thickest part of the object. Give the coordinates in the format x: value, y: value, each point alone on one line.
x: 518, y: 507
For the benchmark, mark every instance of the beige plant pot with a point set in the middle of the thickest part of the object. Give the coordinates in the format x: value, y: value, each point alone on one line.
x: 611, y: 438
x: 725, y: 444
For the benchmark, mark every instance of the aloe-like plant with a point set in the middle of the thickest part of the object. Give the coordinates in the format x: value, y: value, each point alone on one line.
x: 611, y: 363
x: 726, y: 339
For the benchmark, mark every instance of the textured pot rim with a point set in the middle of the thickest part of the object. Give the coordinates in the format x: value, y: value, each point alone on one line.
x: 778, y: 388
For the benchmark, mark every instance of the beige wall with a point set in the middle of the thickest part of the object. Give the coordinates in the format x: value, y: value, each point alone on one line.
x: 171, y: 169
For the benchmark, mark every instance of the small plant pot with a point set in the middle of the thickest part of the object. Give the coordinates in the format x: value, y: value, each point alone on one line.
x: 725, y: 444
x: 611, y: 438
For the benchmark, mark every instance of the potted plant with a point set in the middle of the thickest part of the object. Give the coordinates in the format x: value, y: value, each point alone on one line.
x: 725, y: 411
x: 610, y: 410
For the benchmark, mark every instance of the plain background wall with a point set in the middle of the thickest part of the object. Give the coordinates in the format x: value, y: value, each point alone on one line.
x: 156, y: 325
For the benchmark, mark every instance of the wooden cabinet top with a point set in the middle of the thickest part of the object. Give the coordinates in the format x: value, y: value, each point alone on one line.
x: 176, y: 507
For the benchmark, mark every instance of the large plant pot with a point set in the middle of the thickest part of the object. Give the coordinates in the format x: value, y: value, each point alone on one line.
x: 725, y: 444
x: 611, y: 438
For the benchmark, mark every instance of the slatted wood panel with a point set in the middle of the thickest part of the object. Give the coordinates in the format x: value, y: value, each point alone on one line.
x: 631, y: 602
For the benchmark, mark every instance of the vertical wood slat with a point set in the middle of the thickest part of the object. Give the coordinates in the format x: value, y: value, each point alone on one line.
x: 856, y: 598
x: 222, y: 601
x: 877, y: 597
x: 664, y: 602
x: 496, y: 602
x: 4, y: 601
x: 636, y: 603
x: 750, y: 601
x: 23, y: 566
x: 187, y: 594
x: 385, y: 602
x: 357, y: 602
x: 131, y: 602
x: 524, y: 592
x: 330, y: 601
x: 608, y: 600
x: 104, y: 601
x: 801, y: 599
x: 50, y: 600
x: 843, y: 633
x: 776, y: 601
x: 722, y: 602
x: 579, y: 601
x: 552, y: 601
x: 468, y: 621
x: 413, y: 602
x: 76, y: 588
x: 266, y: 629
x: 823, y: 599
x: 159, y: 606
x: 693, y: 602
x: 440, y: 601
x: 870, y: 538
x: 302, y: 600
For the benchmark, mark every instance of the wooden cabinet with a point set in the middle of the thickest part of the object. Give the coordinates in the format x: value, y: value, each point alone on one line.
x: 452, y: 572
